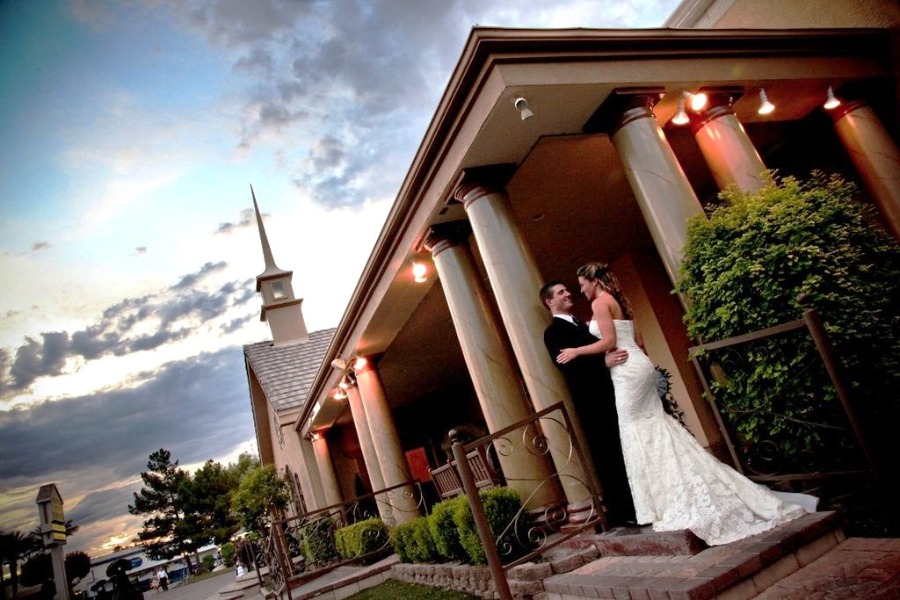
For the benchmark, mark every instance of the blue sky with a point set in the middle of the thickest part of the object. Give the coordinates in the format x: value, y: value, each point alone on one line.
x: 130, y: 132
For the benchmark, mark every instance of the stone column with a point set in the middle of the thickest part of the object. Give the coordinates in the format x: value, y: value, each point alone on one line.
x: 516, y: 282
x: 315, y: 498
x: 729, y: 153
x: 491, y: 366
x: 658, y: 182
x: 875, y: 156
x: 330, y: 487
x: 367, y: 446
x: 394, y: 468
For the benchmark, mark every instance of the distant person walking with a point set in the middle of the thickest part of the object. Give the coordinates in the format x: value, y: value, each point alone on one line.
x: 240, y: 569
x: 163, y: 577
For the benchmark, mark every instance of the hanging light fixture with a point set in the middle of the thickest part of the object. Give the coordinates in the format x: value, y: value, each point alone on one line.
x: 521, y: 105
x: 420, y: 272
x: 765, y: 107
x: 698, y: 101
x: 360, y: 363
x: 680, y: 117
x: 831, y: 101
x: 339, y: 394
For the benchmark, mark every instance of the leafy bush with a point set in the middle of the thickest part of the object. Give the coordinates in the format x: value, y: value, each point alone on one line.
x: 501, y: 507
x: 229, y: 554
x: 209, y: 562
x: 361, y: 538
x: 413, y: 542
x: 443, y: 529
x: 317, y: 541
x: 743, y: 269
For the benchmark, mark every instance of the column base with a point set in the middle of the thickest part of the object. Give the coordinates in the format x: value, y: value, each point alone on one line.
x: 579, y: 513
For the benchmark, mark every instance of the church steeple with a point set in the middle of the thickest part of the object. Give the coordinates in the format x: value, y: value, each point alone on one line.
x: 280, y: 309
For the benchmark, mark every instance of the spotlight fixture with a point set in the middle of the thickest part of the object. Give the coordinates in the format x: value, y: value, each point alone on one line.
x: 521, y: 105
x: 344, y: 384
x: 339, y: 394
x: 831, y: 101
x: 680, y: 117
x: 314, y: 436
x: 339, y: 364
x: 698, y: 101
x: 765, y: 107
x: 420, y: 272
x: 360, y: 363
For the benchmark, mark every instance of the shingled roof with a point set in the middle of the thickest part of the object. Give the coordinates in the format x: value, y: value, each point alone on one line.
x: 286, y: 372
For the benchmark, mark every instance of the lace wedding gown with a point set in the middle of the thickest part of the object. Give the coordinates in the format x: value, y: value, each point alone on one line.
x: 675, y: 482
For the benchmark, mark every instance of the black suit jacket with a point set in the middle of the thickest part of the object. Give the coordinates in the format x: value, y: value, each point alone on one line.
x: 592, y: 394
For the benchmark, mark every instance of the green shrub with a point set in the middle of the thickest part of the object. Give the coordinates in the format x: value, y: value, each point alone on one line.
x: 413, y: 542
x: 317, y: 541
x: 501, y: 507
x: 743, y: 269
x: 208, y: 561
x: 229, y: 554
x: 361, y: 538
x: 443, y: 529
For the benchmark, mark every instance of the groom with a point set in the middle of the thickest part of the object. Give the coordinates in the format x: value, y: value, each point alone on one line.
x: 592, y: 394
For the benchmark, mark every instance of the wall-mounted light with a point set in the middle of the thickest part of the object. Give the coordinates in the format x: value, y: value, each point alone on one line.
x: 698, y: 101
x: 339, y: 364
x: 344, y: 384
x: 339, y: 394
x: 314, y: 436
x: 765, y: 107
x: 360, y: 363
x: 831, y: 102
x: 680, y: 117
x: 521, y: 105
x: 420, y: 272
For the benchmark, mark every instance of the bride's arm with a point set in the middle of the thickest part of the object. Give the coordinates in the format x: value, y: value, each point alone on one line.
x: 607, y: 341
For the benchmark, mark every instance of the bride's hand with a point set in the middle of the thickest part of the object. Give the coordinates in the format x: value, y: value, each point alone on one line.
x: 566, y: 355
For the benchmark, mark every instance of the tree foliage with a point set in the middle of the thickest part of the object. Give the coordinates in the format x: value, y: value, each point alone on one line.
x: 207, y: 503
x: 261, y: 490
x: 743, y: 269
x: 165, y: 534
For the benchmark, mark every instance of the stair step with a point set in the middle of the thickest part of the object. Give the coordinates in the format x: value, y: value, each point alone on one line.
x: 750, y: 565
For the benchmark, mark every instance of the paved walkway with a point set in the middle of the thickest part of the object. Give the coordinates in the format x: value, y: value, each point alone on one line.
x: 199, y: 590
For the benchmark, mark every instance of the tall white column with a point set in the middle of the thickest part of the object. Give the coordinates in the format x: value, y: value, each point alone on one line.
x: 660, y: 186
x: 516, y: 281
x: 367, y: 447
x: 394, y: 468
x: 729, y: 153
x: 491, y: 367
x: 875, y: 156
x: 330, y: 487
x: 315, y: 497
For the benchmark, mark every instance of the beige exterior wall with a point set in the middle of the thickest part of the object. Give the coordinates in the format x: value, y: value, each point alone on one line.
x: 785, y: 14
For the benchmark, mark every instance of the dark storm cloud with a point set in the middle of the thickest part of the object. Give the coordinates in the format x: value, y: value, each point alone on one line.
x: 196, y: 408
x: 236, y: 324
x: 121, y: 329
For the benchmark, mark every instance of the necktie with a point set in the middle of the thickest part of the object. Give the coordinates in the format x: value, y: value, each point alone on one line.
x: 577, y: 322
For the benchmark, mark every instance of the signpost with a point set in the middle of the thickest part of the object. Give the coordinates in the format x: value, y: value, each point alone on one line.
x: 53, y: 533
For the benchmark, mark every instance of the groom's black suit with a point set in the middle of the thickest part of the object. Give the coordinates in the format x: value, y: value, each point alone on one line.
x: 592, y: 394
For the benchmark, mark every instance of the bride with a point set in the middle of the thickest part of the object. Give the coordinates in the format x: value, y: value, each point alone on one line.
x: 676, y: 483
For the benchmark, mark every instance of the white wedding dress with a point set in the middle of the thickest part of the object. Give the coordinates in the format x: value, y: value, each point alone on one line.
x: 675, y: 482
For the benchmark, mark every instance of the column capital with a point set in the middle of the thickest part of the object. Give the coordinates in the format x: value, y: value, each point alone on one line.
x: 478, y: 182
x: 446, y: 235
x: 845, y: 108
x: 623, y: 106
x: 720, y: 103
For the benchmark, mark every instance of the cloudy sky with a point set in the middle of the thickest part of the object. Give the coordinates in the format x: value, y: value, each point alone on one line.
x: 130, y: 132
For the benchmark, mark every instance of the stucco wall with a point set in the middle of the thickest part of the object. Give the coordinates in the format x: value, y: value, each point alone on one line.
x: 781, y: 14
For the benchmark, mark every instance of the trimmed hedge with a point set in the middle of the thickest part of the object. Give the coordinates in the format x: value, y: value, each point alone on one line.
x: 443, y: 529
x: 361, y: 538
x: 317, y: 541
x: 413, y: 542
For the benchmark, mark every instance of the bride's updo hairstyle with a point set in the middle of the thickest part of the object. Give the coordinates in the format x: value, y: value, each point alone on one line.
x: 595, y: 271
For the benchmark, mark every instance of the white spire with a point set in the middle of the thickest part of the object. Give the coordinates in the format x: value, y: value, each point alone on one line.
x: 271, y: 267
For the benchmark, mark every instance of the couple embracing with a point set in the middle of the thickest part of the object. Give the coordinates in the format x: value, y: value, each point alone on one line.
x: 652, y: 469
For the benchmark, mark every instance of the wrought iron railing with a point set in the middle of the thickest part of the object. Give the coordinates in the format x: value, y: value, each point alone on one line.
x: 528, y: 534
x: 793, y: 421
x: 304, y: 547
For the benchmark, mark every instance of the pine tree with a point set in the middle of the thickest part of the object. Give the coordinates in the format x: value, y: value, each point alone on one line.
x: 165, y: 533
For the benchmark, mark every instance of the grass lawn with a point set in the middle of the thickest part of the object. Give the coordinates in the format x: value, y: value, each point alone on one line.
x: 409, y: 591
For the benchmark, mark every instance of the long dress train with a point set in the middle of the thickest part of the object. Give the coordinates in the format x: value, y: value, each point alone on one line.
x: 675, y: 482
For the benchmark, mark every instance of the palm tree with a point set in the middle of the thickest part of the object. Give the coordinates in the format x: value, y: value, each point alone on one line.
x: 13, y: 547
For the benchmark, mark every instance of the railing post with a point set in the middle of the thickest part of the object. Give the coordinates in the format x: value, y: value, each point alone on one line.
x: 481, y: 522
x: 826, y: 350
